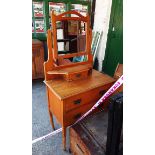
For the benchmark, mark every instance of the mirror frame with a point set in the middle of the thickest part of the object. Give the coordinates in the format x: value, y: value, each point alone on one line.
x: 62, y: 17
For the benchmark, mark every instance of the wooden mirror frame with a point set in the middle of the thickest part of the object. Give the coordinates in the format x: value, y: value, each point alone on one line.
x: 62, y: 17
x: 53, y: 56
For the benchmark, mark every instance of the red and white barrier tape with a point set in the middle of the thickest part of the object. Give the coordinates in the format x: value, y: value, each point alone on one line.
x: 47, y: 136
x: 113, y: 88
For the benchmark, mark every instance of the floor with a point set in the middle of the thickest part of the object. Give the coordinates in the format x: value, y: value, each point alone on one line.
x: 41, y: 124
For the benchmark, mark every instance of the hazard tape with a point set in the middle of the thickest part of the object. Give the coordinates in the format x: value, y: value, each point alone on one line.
x: 47, y: 136
x: 113, y: 88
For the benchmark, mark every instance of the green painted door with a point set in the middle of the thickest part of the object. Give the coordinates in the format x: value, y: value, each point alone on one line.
x: 114, y: 47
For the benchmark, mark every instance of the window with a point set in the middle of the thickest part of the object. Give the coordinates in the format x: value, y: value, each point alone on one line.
x: 82, y: 9
x: 57, y: 7
x: 38, y: 20
x: 41, y: 9
x: 38, y: 9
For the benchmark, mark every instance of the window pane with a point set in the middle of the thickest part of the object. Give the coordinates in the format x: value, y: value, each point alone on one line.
x: 39, y: 25
x: 57, y: 7
x: 38, y: 9
x: 82, y: 9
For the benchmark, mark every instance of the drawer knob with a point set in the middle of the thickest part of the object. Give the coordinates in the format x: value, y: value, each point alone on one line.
x: 78, y: 75
x: 77, y: 101
x: 77, y: 116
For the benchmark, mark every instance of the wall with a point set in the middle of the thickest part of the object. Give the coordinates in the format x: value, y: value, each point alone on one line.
x: 101, y: 23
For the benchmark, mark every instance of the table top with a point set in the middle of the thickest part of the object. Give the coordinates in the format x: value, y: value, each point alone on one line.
x: 63, y: 89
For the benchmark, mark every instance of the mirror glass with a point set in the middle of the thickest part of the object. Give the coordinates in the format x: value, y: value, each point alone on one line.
x: 71, y: 36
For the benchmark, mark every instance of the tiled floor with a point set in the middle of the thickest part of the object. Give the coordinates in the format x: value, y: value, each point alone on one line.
x: 41, y: 124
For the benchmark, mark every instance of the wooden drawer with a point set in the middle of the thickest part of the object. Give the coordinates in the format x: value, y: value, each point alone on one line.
x: 85, y: 98
x: 74, y: 115
x: 76, y: 76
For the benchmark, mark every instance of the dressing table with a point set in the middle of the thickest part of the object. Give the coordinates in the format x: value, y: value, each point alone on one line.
x: 72, y: 88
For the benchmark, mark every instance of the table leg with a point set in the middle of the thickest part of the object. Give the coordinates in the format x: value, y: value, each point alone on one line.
x: 51, y: 120
x: 64, y: 137
x: 50, y: 113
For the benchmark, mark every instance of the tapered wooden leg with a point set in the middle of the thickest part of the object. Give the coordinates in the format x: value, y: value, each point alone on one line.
x: 64, y: 138
x: 50, y: 114
x: 51, y: 120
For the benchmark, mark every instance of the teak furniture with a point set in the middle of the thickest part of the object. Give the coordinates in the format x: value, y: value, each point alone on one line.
x: 37, y: 59
x: 69, y: 100
x: 70, y: 71
x: 72, y: 88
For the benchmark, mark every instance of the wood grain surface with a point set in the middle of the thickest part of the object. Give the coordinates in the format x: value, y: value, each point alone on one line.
x: 64, y: 89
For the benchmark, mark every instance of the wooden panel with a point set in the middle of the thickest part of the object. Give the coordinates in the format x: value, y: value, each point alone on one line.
x: 70, y: 65
x: 76, y: 144
x: 73, y: 115
x: 64, y: 61
x: 90, y: 135
x: 37, y: 59
x: 64, y: 89
x: 85, y: 98
x: 72, y: 73
x: 71, y: 69
x: 55, y: 106
x: 77, y: 76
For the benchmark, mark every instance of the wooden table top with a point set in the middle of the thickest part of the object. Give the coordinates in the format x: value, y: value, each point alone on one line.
x: 64, y: 89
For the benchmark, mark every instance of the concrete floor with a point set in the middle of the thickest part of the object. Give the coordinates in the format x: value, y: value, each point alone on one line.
x: 41, y: 124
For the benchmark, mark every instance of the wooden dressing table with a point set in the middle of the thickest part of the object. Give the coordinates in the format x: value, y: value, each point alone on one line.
x: 67, y: 101
x: 72, y: 88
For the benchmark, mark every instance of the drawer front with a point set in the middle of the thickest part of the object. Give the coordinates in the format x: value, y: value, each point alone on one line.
x: 77, y: 76
x: 72, y: 116
x: 85, y: 98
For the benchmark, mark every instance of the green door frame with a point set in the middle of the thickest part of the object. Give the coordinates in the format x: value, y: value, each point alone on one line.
x: 111, y: 57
